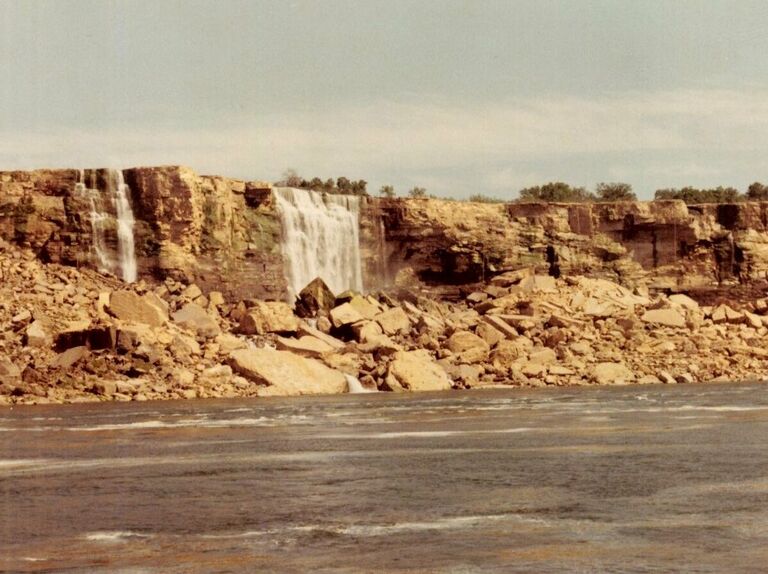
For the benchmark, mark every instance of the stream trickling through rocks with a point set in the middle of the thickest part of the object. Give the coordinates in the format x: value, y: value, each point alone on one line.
x: 621, y: 479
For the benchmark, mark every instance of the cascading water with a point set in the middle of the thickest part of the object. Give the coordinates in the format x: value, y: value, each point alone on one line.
x: 125, y: 223
x: 321, y: 238
x: 98, y: 220
x: 118, y: 194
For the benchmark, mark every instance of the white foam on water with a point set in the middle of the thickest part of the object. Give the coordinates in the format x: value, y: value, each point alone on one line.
x: 321, y: 238
x: 22, y: 463
x: 115, y: 536
x: 355, y: 387
x: 428, y: 434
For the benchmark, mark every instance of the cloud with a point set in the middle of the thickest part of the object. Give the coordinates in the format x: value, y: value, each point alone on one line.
x: 502, y: 145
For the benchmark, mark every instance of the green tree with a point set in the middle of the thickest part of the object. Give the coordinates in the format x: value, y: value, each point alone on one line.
x: 417, y: 192
x: 555, y: 192
x: 290, y: 179
x: 692, y: 195
x: 387, y: 191
x: 343, y: 185
x: 757, y: 192
x: 614, y: 192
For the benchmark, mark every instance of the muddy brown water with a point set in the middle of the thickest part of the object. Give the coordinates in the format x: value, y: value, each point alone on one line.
x: 629, y: 479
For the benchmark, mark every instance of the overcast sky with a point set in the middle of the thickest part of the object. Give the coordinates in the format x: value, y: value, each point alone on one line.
x: 459, y: 97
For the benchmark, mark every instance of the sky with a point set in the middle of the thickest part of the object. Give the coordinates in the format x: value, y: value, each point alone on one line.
x: 459, y: 97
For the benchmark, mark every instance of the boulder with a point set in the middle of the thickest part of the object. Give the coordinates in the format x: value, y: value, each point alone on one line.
x: 268, y: 317
x: 193, y: 317
x: 611, y: 374
x: 542, y: 356
x: 417, y: 371
x: 468, y: 347
x: 365, y: 330
x: 363, y: 306
x: 82, y: 333
x: 393, y: 321
x: 128, y: 306
x: 684, y: 301
x: 332, y: 342
x: 345, y: 314
x: 664, y: 317
x: 489, y: 334
x: 9, y: 373
x: 501, y: 325
x: 70, y: 357
x: 316, y: 296
x: 36, y: 335
x: 285, y: 373
x: 509, y: 351
x: 306, y: 346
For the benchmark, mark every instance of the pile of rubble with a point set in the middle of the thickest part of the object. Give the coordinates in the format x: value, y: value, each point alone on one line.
x: 73, y: 335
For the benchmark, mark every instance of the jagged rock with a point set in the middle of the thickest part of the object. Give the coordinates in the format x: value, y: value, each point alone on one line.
x: 128, y: 306
x: 332, y: 342
x: 366, y: 330
x: 193, y: 317
x: 724, y: 314
x: 21, y: 318
x: 380, y: 345
x: 489, y: 334
x: 611, y: 374
x: 268, y: 317
x: 70, y: 357
x: 393, y: 321
x: 36, y: 335
x: 104, y: 388
x: 542, y: 356
x: 665, y: 317
x: 501, y: 325
x: 468, y: 347
x: 684, y: 301
x: 285, y: 373
x: 507, y: 352
x: 416, y: 371
x: 306, y: 346
x: 345, y: 314
x: 366, y: 309
x: 184, y: 346
x: 316, y: 296
x: 9, y: 372
x: 192, y: 292
x: 82, y: 333
x: 228, y: 343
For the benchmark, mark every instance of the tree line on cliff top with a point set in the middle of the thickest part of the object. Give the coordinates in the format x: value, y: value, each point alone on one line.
x: 552, y: 192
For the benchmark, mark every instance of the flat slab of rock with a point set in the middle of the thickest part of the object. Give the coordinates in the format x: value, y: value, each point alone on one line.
x: 269, y: 317
x: 193, y: 317
x: 285, y: 373
x: 345, y: 314
x: 306, y: 346
x: 665, y: 317
x: 129, y: 306
x: 611, y: 374
x: 417, y: 371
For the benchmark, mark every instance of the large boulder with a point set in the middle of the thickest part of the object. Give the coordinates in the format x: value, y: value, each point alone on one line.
x: 268, y: 317
x: 417, y: 371
x: 284, y: 373
x: 345, y: 314
x: 307, y: 346
x: 468, y: 347
x: 664, y: 317
x: 316, y: 296
x: 129, y: 306
x: 37, y: 335
x: 611, y: 374
x: 193, y: 317
x: 393, y: 321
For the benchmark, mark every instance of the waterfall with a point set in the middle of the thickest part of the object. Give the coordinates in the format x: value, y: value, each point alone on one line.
x: 98, y: 219
x: 125, y: 222
x: 354, y: 386
x: 321, y: 238
x: 118, y: 195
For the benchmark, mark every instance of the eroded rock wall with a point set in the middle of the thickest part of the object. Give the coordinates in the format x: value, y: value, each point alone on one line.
x: 218, y: 232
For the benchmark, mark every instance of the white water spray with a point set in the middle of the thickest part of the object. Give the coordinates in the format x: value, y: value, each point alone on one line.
x: 125, y: 223
x: 354, y: 386
x: 321, y: 238
x: 118, y: 195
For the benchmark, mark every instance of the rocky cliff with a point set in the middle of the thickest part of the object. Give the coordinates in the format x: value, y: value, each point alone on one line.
x: 224, y: 234
x: 218, y: 232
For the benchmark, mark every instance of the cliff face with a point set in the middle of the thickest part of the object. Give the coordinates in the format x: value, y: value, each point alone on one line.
x: 217, y: 232
x: 224, y: 234
x: 662, y: 244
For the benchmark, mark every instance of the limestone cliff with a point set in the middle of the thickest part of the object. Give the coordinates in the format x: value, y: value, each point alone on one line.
x: 224, y: 234
x: 218, y: 232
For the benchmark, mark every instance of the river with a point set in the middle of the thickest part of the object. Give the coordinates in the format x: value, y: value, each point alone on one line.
x: 623, y: 479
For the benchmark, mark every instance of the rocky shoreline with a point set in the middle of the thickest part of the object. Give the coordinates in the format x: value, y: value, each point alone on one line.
x: 74, y: 335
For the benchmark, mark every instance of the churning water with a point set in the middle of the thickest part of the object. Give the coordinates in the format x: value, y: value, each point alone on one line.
x: 321, y: 238
x: 630, y: 479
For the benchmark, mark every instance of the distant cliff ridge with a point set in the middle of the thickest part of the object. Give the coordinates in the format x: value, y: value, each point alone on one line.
x: 225, y: 234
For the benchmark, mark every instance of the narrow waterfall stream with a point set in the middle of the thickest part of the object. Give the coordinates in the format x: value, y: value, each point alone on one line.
x: 117, y: 197
x: 321, y: 238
